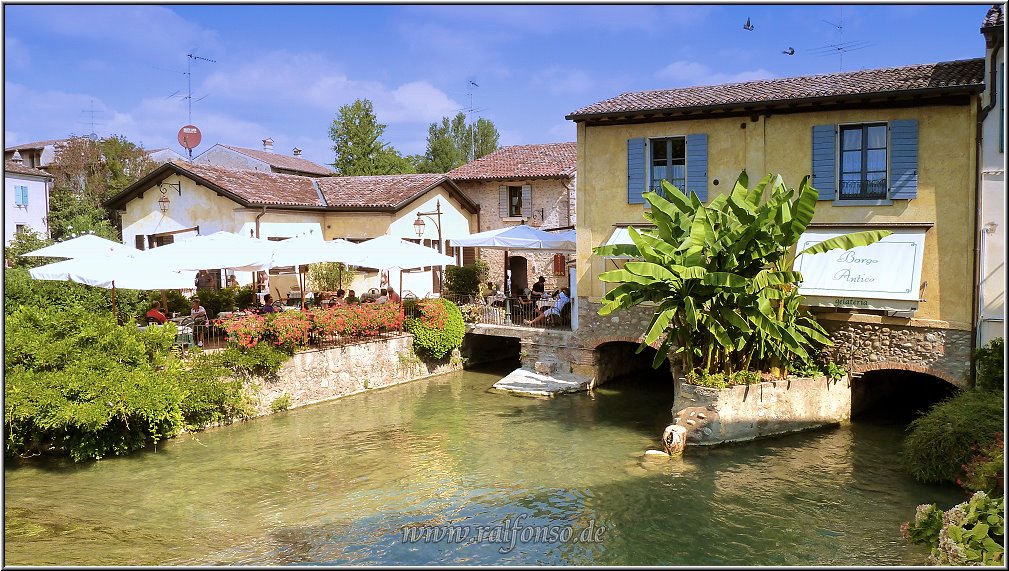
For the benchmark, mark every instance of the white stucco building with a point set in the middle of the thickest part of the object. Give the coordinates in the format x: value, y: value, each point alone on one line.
x: 991, y: 202
x: 26, y: 199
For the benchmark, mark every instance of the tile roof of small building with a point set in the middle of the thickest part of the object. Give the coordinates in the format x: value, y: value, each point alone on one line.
x: 381, y: 191
x: 521, y: 161
x: 11, y: 166
x: 34, y: 145
x: 258, y: 187
x: 950, y: 75
x: 284, y: 161
x: 994, y: 18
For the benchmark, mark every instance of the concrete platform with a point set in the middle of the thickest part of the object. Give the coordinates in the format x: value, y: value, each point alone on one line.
x: 523, y: 382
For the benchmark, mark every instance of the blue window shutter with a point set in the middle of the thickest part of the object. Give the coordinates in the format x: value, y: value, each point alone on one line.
x: 904, y: 159
x: 527, y: 201
x: 24, y: 195
x: 503, y: 201
x: 697, y: 165
x: 635, y: 170
x: 824, y: 171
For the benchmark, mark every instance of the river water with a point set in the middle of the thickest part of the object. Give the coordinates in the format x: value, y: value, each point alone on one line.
x: 374, y: 478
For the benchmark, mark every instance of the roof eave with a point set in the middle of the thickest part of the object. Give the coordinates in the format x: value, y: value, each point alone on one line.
x: 567, y: 174
x: 775, y: 103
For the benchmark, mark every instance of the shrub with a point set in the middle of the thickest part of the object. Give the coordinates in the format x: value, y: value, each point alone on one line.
x: 985, y: 471
x: 970, y: 533
x: 722, y: 380
x: 24, y: 241
x: 941, y: 441
x: 215, y: 300
x: 245, y: 297
x: 79, y: 384
x: 211, y: 395
x: 462, y: 280
x: 438, y: 329
x: 990, y: 363
x: 21, y: 290
x: 283, y: 402
x: 246, y: 330
x: 259, y: 360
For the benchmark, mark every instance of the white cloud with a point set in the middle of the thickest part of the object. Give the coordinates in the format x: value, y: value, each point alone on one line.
x: 689, y: 73
x: 16, y: 53
x: 563, y: 132
x: 557, y: 80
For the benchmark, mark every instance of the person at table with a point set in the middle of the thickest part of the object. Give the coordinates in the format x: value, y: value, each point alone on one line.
x: 383, y: 296
x: 539, y: 288
x: 352, y: 297
x: 555, y: 309
x: 197, y: 316
x: 233, y: 282
x: 204, y: 280
x: 393, y: 296
x: 268, y: 304
x: 155, y: 313
x: 338, y: 299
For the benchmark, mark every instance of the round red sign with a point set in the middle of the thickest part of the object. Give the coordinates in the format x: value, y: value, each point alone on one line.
x: 189, y: 137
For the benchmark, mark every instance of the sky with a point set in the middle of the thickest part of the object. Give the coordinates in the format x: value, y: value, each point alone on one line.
x: 283, y: 71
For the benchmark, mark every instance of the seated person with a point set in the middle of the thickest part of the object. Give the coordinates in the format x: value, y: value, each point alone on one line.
x: 268, y: 304
x: 562, y: 300
x: 197, y: 316
x: 383, y: 296
x: 539, y: 288
x: 393, y: 296
x: 352, y: 297
x: 154, y: 313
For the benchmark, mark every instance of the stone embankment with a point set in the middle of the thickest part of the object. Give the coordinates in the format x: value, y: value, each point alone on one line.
x: 317, y: 375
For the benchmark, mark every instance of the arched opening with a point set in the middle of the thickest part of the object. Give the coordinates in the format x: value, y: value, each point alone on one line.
x: 618, y: 360
x: 519, y: 274
x: 491, y: 352
x: 891, y: 395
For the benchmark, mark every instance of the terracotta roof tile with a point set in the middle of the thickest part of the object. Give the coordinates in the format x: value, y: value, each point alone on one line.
x: 376, y: 191
x: 284, y: 162
x: 994, y: 18
x: 962, y: 73
x: 11, y: 166
x: 521, y: 161
x: 258, y: 187
x: 34, y: 145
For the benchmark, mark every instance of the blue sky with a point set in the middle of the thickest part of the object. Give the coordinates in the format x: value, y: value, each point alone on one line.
x: 283, y: 71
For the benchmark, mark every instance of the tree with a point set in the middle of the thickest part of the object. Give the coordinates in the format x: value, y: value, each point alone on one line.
x: 26, y: 240
x: 357, y: 142
x: 453, y: 143
x: 721, y: 277
x: 85, y: 173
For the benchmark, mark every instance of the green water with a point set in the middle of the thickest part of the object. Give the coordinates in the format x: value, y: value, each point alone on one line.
x: 338, y: 483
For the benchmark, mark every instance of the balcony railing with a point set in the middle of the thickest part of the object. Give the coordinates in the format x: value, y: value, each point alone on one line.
x: 863, y: 190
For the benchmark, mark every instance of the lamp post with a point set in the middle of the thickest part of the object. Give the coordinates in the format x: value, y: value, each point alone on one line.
x: 419, y: 226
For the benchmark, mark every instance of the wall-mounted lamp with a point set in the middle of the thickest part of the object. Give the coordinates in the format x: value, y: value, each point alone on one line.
x: 163, y: 203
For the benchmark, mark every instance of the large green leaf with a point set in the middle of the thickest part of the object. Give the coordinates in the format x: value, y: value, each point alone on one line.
x: 649, y: 270
x: 725, y: 279
x: 624, y: 276
x: 663, y: 317
x: 689, y: 312
x: 617, y: 250
x: 802, y: 210
x: 847, y: 241
x: 716, y: 330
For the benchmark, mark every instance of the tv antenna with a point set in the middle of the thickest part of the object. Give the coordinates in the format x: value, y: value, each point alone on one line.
x: 93, y: 136
x: 841, y: 47
x: 469, y: 112
x: 189, y: 79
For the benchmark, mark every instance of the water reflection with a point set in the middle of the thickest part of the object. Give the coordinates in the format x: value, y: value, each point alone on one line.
x: 338, y: 483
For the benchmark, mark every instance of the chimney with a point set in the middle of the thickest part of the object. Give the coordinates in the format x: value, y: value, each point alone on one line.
x: 268, y: 145
x: 17, y: 158
x: 297, y: 152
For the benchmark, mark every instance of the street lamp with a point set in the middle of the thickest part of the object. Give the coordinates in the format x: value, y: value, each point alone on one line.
x: 163, y: 203
x: 419, y: 226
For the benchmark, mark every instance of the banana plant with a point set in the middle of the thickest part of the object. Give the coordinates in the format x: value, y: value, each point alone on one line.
x: 720, y: 276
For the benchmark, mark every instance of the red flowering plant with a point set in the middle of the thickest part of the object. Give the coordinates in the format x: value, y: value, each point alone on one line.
x: 246, y: 330
x: 358, y: 320
x: 289, y: 329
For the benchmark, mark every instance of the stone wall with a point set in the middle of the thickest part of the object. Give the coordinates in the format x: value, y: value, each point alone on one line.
x: 321, y: 374
x: 865, y: 343
x: 745, y: 412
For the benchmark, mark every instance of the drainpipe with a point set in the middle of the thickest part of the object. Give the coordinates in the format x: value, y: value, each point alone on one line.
x: 254, y: 280
x: 979, y: 240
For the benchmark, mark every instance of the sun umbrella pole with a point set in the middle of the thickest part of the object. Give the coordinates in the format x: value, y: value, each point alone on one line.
x: 113, y: 297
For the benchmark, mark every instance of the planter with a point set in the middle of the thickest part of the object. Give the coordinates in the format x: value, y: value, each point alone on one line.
x: 745, y: 412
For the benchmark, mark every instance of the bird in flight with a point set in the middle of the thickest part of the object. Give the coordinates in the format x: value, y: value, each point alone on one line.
x: 789, y: 52
x: 748, y: 25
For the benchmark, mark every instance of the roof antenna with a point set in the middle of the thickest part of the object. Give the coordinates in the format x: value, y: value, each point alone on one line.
x: 189, y: 77
x: 93, y: 136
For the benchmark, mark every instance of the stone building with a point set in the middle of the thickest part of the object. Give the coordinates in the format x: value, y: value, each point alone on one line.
x: 264, y: 159
x: 523, y: 184
x: 917, y: 125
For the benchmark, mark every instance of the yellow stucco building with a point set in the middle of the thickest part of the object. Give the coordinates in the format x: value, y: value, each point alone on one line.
x: 889, y: 148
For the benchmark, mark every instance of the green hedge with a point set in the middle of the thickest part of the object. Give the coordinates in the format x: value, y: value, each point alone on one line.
x: 21, y: 290
x: 990, y: 363
x: 79, y: 384
x: 940, y: 442
x: 437, y: 326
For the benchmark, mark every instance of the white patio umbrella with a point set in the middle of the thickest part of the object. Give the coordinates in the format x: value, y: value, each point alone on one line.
x: 519, y: 237
x: 86, y: 245
x: 308, y: 249
x: 217, y: 250
x: 118, y: 270
x: 389, y: 252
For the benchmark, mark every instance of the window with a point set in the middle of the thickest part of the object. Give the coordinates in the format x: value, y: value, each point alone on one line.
x: 20, y: 195
x: 667, y: 161
x: 514, y: 201
x: 20, y: 228
x: 863, y: 162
